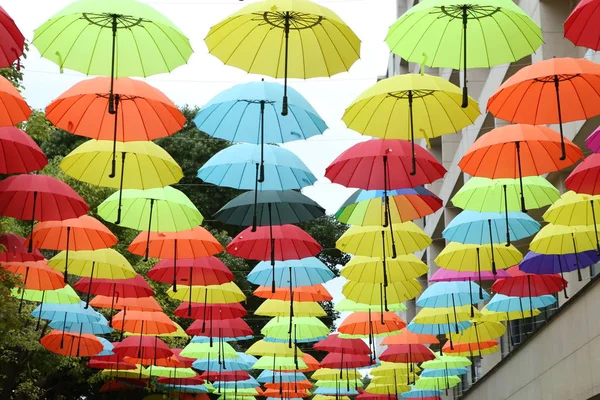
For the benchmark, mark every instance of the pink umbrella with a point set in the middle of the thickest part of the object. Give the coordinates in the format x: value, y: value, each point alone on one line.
x: 593, y: 141
x: 445, y: 275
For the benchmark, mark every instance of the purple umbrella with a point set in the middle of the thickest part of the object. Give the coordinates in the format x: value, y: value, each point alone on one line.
x: 593, y: 141
x: 446, y: 275
x: 535, y: 263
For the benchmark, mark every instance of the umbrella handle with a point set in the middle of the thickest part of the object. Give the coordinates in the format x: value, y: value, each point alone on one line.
x: 506, y: 215
x: 118, y: 221
x: 518, y: 147
x: 286, y: 29
x: 175, y: 268
x: 87, y: 302
x: 465, y: 97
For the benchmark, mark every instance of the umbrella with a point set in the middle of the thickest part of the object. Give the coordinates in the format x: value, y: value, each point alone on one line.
x: 502, y: 195
x: 438, y: 329
x: 472, y: 349
x: 407, y: 353
x: 210, y: 328
x: 378, y: 293
x: 36, y: 275
x: 279, y: 363
x: 370, y: 269
x: 237, y: 167
x: 15, y: 108
x: 452, y: 294
x: 302, y: 293
x: 475, y: 258
x: 280, y: 308
x: 269, y: 207
x: 267, y: 376
x: 305, y: 272
x: 304, y: 329
x: 592, y: 142
x: 204, y: 350
x: 142, y: 347
x: 480, y: 331
x: 334, y: 344
x: 138, y: 373
x: 255, y: 107
x: 579, y: 28
x: 584, y: 176
x: 194, y: 380
x: 108, y: 347
x: 191, y: 243
x: 141, y: 113
x: 115, y: 38
x: 223, y: 310
x: 471, y: 34
x: 92, y: 328
x: 144, y: 165
x: 11, y: 47
x: 352, y: 306
x: 437, y: 383
x: 274, y: 349
x: 332, y: 374
x: 472, y: 227
x: 516, y: 151
x: 535, y: 263
x: 14, y: 249
x: 115, y: 289
x: 65, y: 295
x: 502, y: 303
x: 143, y: 323
x: 394, y: 388
x: 365, y: 325
x: 297, y: 40
x: 20, y: 153
x: 131, y: 303
x: 71, y: 344
x: 66, y: 313
x: 448, y: 275
x: 422, y: 394
x: 407, y: 337
x: 549, y: 92
x: 442, y: 315
x: 244, y: 362
x: 442, y: 372
x: 112, y: 361
x: 404, y: 106
x: 288, y: 386
x: 341, y: 361
x: 367, y: 207
x: 199, y: 271
x: 39, y: 198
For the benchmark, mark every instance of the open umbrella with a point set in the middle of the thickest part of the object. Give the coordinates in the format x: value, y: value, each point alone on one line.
x: 461, y: 35
x: 115, y: 38
x: 72, y: 344
x: 370, y: 269
x: 378, y: 294
x: 295, y: 273
x: 297, y: 40
x: 280, y: 308
x: 220, y: 328
x: 584, y: 176
x: 579, y: 27
x: 191, y: 271
x: 141, y: 112
x: 13, y: 41
x: 366, y: 325
x: 115, y: 290
x: 131, y: 303
x: 14, y: 249
x: 15, y: 109
x: 422, y: 394
x: 407, y: 353
x: 145, y: 347
x: 552, y: 91
x: 35, y: 275
x: 448, y: 275
x: 536, y: 263
x: 404, y: 106
x: 20, y: 153
x: 101, y: 263
x: 302, y: 293
x: 218, y: 310
x: 476, y: 258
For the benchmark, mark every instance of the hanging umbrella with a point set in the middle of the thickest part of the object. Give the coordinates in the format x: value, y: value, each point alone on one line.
x: 305, y: 272
x: 502, y: 303
x: 13, y: 41
x: 279, y: 308
x: 295, y: 40
x: 244, y: 362
x: 407, y: 353
x: 332, y: 374
x: 15, y: 109
x: 445, y: 314
x: 35, y: 275
x: 352, y: 306
x: 407, y: 337
x: 158, y: 210
x: 302, y: 293
x: 90, y: 162
x: 452, y: 294
x: 108, y: 346
x: 549, y: 92
x: 502, y: 195
x: 437, y: 383
x: 471, y: 34
x: 274, y: 349
x: 138, y: 373
x: 394, y: 388
x: 225, y: 328
x: 20, y: 152
x: 438, y: 329
x: 370, y: 269
x: 218, y: 310
x: 288, y: 386
x: 213, y: 294
x: 522, y: 284
x: 446, y: 362
x: 92, y: 328
x: 367, y: 207
x: 115, y: 290
x: 213, y: 350
x: 372, y: 294
x: 14, y: 249
x: 387, y: 369
x: 404, y: 106
x: 65, y: 295
x: 422, y: 394
x: 448, y: 275
x: 341, y: 361
x: 269, y: 207
x: 517, y: 151
x: 278, y: 363
x: 113, y: 361
x: 592, y: 142
x: 366, y: 325
x: 476, y: 258
x: 535, y: 263
x: 267, y: 376
x: 141, y: 113
x: 334, y: 344
x: 443, y: 372
x: 472, y: 349
x: 115, y: 38
x: 194, y: 380
x: 304, y: 329
x: 66, y: 313
x: 142, y: 347
x: 584, y: 176
x: 71, y: 344
x: 39, y: 198
x: 143, y: 323
x: 487, y: 315
x: 579, y: 28
x: 131, y: 303
x: 480, y: 331
x: 191, y: 271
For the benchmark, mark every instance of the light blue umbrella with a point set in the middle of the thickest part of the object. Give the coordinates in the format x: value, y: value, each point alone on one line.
x: 93, y: 328
x: 472, y: 227
x: 108, y: 347
x: 67, y: 313
x: 443, y: 372
x: 246, y: 384
x: 419, y: 394
x: 502, y: 303
x: 275, y: 340
x: 362, y: 195
x: 267, y: 376
x: 206, y: 339
x: 438, y: 329
x: 452, y: 294
x: 341, y: 391
x: 236, y: 167
x: 306, y: 272
x: 244, y: 362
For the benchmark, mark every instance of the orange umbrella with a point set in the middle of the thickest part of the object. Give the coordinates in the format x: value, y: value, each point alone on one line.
x: 474, y: 349
x: 13, y: 106
x: 191, y: 243
x: 284, y: 394
x: 143, y: 322
x: 130, y: 303
x: 72, y: 344
x: 407, y: 337
x: 290, y: 386
x: 37, y: 275
x: 550, y: 92
x: 365, y: 324
x: 142, y: 112
x: 311, y: 363
x: 515, y: 151
x: 301, y: 293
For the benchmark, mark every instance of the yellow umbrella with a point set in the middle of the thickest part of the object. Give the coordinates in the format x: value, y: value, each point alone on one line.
x: 352, y: 306
x: 209, y: 349
x: 561, y: 239
x: 333, y: 383
x: 375, y: 241
x: 390, y: 369
x: 399, y: 375
x: 95, y: 264
x: 373, y: 294
x: 329, y: 374
x: 281, y: 308
x: 480, y: 331
x: 282, y: 363
x: 138, y: 373
x: 409, y: 107
x: 475, y: 258
x: 386, y: 389
x: 437, y: 383
x: 493, y: 316
x: 170, y: 372
x: 370, y: 269
x: 276, y: 349
x: 213, y: 294
x: 324, y: 397
x: 445, y: 315
x: 285, y: 38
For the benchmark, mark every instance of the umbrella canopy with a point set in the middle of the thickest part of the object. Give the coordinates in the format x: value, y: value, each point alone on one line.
x: 535, y: 263
x: 66, y: 313
x: 142, y: 347
x: 120, y: 289
x: 304, y: 329
x: 15, y: 108
x: 387, y: 369
x: 237, y: 167
x: 302, y: 293
x: 334, y: 344
x: 20, y: 152
x: 143, y: 322
x: 352, y: 306
x: 584, y: 176
x: 370, y: 269
x: 472, y: 349
x: 367, y: 207
x: 452, y: 294
x: 262, y: 348
x: 14, y: 249
x: 13, y: 41
x: 92, y: 328
x: 36, y: 275
x: 101, y: 263
x: 198, y: 271
x: 225, y: 293
x: 244, y: 362
x: 305, y: 272
x: 561, y: 239
x: 217, y: 311
x: 407, y: 353
x: 407, y: 337
x: 280, y: 308
x: 373, y: 241
x: 309, y: 32
x: 328, y: 374
x: 478, y: 332
x: 552, y: 91
x: 422, y: 394
x: 574, y: 209
x: 340, y: 361
x: 158, y: 210
x: 225, y: 376
x: 592, y: 142
x: 522, y: 284
x: 267, y: 376
x: 225, y: 328
x: 487, y: 315
x: 578, y: 27
x: 365, y: 324
x: 71, y: 344
x: 205, y: 350
x: 65, y: 295
x: 448, y: 275
x: 475, y: 258
x: 394, y: 388
x: 440, y: 373
x: 442, y: 315
x: 377, y: 293
x: 444, y: 361
x: 437, y: 383
x: 502, y: 303
x: 279, y: 363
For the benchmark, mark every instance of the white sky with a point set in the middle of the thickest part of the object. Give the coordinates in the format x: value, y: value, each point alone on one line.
x: 205, y: 76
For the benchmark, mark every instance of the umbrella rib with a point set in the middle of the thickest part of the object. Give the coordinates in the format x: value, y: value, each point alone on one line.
x: 94, y: 50
x: 577, y: 93
x: 160, y: 27
x: 162, y: 122
x: 313, y: 31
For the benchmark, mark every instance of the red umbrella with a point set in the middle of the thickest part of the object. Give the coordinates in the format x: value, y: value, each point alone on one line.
x: 15, y: 249
x: 186, y: 362
x: 284, y: 394
x: 14, y: 107
x: 296, y: 385
x: 344, y: 361
x: 39, y: 198
x: 236, y: 327
x: 581, y: 27
x: 12, y: 43
x: 407, y: 353
x: 113, y: 361
x: 199, y: 271
x: 72, y: 344
x: 196, y: 380
x: 114, y: 385
x: 522, y: 284
x: 146, y: 347
x: 228, y: 376
x: 333, y: 344
x: 20, y: 153
x: 122, y: 288
x: 218, y: 311
x: 585, y: 178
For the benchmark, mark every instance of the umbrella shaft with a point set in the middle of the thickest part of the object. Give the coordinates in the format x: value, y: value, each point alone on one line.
x: 261, y: 176
x: 30, y: 247
x: 111, y: 97
x: 149, y: 230
x: 465, y: 19
x: 115, y: 129
x: 66, y: 274
x: 518, y: 147
x: 284, y: 109
x: 255, y: 209
x: 118, y: 221
x: 563, y: 150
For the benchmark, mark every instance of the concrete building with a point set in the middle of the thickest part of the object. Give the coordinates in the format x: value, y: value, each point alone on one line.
x: 561, y: 359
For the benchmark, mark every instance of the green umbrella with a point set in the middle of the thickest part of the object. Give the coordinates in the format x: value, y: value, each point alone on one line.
x: 446, y: 361
x: 156, y: 210
x: 116, y: 38
x: 64, y: 295
x: 437, y: 383
x: 463, y: 34
x: 274, y: 207
x: 172, y: 373
x: 279, y: 363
